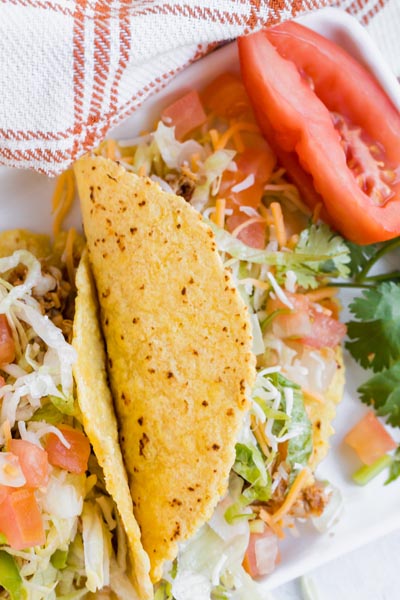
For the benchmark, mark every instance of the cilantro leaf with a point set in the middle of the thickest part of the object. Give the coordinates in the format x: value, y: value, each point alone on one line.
x: 376, y: 337
x: 330, y: 252
x: 394, y: 471
x: 320, y: 255
x: 382, y: 391
x: 360, y: 256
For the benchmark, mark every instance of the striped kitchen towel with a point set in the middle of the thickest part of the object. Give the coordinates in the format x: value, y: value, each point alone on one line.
x: 72, y: 69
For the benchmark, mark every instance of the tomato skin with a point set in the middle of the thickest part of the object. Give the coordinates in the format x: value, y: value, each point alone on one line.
x: 294, y: 119
x: 33, y: 461
x: 20, y: 518
x: 370, y: 439
x: 73, y: 459
x: 7, y: 345
x: 185, y: 114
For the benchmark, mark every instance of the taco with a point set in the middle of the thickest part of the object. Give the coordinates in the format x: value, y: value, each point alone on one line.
x: 179, y: 350
x: 216, y: 470
x: 66, y: 520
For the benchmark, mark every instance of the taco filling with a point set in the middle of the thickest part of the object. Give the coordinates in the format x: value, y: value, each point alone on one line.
x: 61, y: 533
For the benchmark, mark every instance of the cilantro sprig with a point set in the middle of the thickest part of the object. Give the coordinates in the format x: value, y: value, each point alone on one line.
x: 375, y: 337
x: 382, y: 391
x: 374, y: 340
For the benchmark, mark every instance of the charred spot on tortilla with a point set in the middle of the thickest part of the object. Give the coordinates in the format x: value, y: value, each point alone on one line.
x: 168, y: 298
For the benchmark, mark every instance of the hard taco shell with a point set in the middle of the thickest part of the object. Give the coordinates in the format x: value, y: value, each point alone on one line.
x: 179, y: 348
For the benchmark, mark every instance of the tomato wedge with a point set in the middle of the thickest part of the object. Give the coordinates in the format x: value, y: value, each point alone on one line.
x: 185, y: 114
x: 73, y: 459
x: 331, y: 125
x: 20, y: 518
x: 7, y: 345
x: 370, y: 439
x: 33, y: 462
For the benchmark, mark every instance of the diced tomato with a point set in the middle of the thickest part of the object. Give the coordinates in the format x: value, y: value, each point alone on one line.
x: 73, y: 459
x: 226, y: 97
x: 322, y: 112
x: 291, y: 324
x: 33, y: 462
x: 370, y: 439
x: 262, y: 553
x: 185, y: 114
x: 258, y: 163
x: 253, y: 235
x: 2, y: 381
x: 7, y: 345
x: 326, y: 332
x: 305, y: 322
x: 20, y: 518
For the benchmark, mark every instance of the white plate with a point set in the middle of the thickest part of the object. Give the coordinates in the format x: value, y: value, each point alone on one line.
x: 369, y: 512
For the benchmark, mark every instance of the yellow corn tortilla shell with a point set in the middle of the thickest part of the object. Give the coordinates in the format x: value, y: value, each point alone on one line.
x: 321, y: 414
x: 21, y: 239
x: 96, y: 405
x: 179, y: 347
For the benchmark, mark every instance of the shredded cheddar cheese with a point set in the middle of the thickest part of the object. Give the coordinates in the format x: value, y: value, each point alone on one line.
x: 63, y: 199
x: 293, y: 241
x: 292, y: 495
x: 279, y: 223
x: 263, y: 285
x: 291, y: 194
x: 276, y: 528
x: 234, y: 129
x: 260, y: 436
x: 219, y: 216
x: 68, y: 255
x: 6, y: 430
x: 194, y: 162
x: 214, y: 137
x: 323, y: 293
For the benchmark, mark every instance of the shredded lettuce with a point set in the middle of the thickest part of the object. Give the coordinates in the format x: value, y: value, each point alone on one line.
x: 319, y: 253
x: 10, y: 578
x: 212, y: 566
x: 300, y: 445
x: 64, y: 495
x: 210, y: 172
x: 97, y: 547
x: 173, y: 152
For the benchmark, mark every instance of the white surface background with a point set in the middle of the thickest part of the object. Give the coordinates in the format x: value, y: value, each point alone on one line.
x: 369, y: 573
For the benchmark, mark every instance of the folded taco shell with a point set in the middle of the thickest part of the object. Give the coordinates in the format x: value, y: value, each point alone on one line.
x: 179, y: 349
x: 96, y: 405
